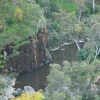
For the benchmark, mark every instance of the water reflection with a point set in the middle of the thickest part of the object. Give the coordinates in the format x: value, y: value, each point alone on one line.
x: 69, y: 54
x: 37, y: 78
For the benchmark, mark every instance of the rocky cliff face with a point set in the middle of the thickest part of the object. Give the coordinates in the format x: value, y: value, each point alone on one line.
x: 32, y: 55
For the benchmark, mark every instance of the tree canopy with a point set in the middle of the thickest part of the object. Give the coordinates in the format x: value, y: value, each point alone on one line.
x: 73, y: 81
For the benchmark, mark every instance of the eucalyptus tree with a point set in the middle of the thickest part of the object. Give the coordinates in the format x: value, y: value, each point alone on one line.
x: 68, y: 25
x: 93, y: 44
x: 93, y: 19
x: 92, y: 32
x: 93, y: 4
x: 81, y: 7
x: 72, y: 81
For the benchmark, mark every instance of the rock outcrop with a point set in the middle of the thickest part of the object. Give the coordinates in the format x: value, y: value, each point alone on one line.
x: 31, y: 55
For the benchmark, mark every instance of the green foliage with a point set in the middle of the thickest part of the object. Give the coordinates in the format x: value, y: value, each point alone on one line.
x: 77, y: 29
x: 55, y: 67
x: 67, y: 5
x: 58, y: 96
x: 93, y: 44
x: 70, y: 7
x: 6, y: 88
x: 63, y: 29
x: 2, y: 85
x: 9, y: 21
x: 82, y: 54
x: 1, y: 61
x: 72, y: 78
x: 1, y: 56
x: 18, y: 14
x: 1, y: 66
x: 20, y: 19
x: 54, y: 40
x: 90, y: 9
x: 15, y: 53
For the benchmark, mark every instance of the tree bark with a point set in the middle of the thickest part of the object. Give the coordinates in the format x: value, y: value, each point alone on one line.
x: 77, y: 44
x: 93, y: 4
x: 79, y: 15
x: 97, y: 52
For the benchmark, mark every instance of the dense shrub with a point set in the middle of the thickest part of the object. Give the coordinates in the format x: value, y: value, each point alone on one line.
x: 9, y: 21
x: 82, y: 54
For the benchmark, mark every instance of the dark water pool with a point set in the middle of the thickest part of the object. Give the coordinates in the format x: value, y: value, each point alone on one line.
x: 37, y: 78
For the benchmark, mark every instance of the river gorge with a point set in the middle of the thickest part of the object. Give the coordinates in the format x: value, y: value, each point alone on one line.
x: 37, y: 77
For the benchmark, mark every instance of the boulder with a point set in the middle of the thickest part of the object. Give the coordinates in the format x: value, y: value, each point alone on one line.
x: 17, y: 92
x: 29, y: 89
x: 8, y: 91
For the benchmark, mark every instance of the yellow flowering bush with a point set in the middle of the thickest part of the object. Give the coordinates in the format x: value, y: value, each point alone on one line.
x: 77, y: 28
x: 27, y: 96
x: 18, y: 14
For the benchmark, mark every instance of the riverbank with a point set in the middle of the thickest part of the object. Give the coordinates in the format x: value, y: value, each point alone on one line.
x: 7, y: 81
x: 60, y: 47
x: 37, y: 78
